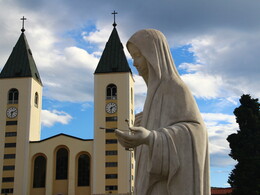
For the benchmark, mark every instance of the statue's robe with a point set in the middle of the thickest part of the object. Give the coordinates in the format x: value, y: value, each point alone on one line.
x: 176, y: 161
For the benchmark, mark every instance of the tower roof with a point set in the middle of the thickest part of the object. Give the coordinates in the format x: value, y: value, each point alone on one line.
x: 21, y: 63
x: 113, y: 58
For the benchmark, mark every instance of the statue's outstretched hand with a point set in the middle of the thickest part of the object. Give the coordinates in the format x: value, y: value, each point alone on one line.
x: 138, y: 136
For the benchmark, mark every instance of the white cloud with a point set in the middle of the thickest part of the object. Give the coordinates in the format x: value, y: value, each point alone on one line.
x: 49, y: 118
x: 99, y: 37
x: 203, y: 85
x: 70, y: 77
x: 140, y: 93
x: 230, y: 56
x: 219, y: 127
x: 226, y: 51
x: 189, y: 67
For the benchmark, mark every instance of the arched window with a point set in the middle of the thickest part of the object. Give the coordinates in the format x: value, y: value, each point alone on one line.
x: 13, y: 95
x: 83, y: 170
x: 62, y: 158
x: 39, y: 173
x: 111, y: 92
x: 132, y: 96
x: 36, y: 99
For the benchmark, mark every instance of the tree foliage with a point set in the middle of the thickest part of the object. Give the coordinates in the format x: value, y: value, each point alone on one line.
x: 245, y: 148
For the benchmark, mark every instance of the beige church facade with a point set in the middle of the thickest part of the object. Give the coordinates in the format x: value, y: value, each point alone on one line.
x: 62, y: 164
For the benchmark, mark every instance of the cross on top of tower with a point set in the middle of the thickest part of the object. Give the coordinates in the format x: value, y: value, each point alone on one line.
x: 23, y: 19
x: 114, y: 13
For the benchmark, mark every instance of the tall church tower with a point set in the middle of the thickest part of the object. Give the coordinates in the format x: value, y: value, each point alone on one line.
x: 114, y: 103
x: 20, y: 108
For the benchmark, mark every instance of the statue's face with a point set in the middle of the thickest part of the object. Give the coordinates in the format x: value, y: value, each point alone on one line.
x: 139, y: 60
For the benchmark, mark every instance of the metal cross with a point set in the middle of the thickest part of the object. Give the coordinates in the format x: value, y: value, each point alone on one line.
x: 23, y: 19
x: 114, y: 13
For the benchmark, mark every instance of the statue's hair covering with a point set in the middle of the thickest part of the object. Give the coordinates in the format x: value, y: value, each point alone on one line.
x: 162, y: 71
x: 154, y: 47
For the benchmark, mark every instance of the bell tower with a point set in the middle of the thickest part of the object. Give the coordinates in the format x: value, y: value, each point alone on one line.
x: 114, y: 103
x: 20, y: 108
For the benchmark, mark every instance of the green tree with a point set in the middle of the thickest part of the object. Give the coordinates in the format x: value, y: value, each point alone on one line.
x: 245, y: 148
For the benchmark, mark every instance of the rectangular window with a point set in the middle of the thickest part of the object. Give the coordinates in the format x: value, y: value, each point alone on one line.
x: 111, y: 164
x: 112, y: 130
x: 7, y: 190
x: 111, y: 118
x: 111, y: 176
x: 111, y: 188
x: 8, y: 179
x: 10, y: 134
x: 111, y: 141
x: 8, y: 167
x: 9, y: 156
x: 11, y: 122
x: 10, y: 145
x: 111, y: 152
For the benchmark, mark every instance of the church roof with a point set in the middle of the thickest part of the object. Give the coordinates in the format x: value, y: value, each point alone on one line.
x: 221, y: 191
x: 21, y: 63
x: 60, y: 135
x: 113, y: 58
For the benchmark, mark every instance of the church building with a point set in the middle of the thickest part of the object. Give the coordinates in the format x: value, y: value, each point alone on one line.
x: 63, y: 164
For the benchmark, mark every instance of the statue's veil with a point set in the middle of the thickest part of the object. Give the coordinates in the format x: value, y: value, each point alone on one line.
x: 163, y: 73
x: 169, y: 110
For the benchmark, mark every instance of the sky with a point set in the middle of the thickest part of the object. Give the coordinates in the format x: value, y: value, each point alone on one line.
x: 215, y: 45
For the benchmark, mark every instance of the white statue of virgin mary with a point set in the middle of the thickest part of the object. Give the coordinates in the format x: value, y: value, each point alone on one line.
x: 169, y: 136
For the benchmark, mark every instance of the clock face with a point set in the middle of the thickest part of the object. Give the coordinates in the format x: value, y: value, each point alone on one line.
x: 111, y: 107
x: 11, y: 112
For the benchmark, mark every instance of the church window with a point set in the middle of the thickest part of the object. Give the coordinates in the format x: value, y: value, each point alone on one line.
x: 10, y: 134
x: 110, y: 130
x: 132, y: 96
x: 11, y: 122
x: 111, y: 141
x: 111, y: 92
x: 39, y: 173
x: 13, y: 95
x: 111, y: 176
x: 111, y: 164
x: 111, y: 118
x: 8, y: 167
x: 62, y: 158
x: 111, y: 152
x: 111, y: 188
x: 7, y: 190
x: 36, y: 99
x: 8, y: 179
x: 10, y: 145
x: 9, y: 156
x: 83, y: 170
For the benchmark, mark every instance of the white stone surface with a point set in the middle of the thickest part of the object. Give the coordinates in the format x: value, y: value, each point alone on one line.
x: 169, y: 136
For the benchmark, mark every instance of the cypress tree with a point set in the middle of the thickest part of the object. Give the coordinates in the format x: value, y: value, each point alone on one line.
x: 245, y: 148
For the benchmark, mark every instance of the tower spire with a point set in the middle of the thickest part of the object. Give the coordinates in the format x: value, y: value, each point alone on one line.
x: 23, y: 19
x: 114, y: 13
